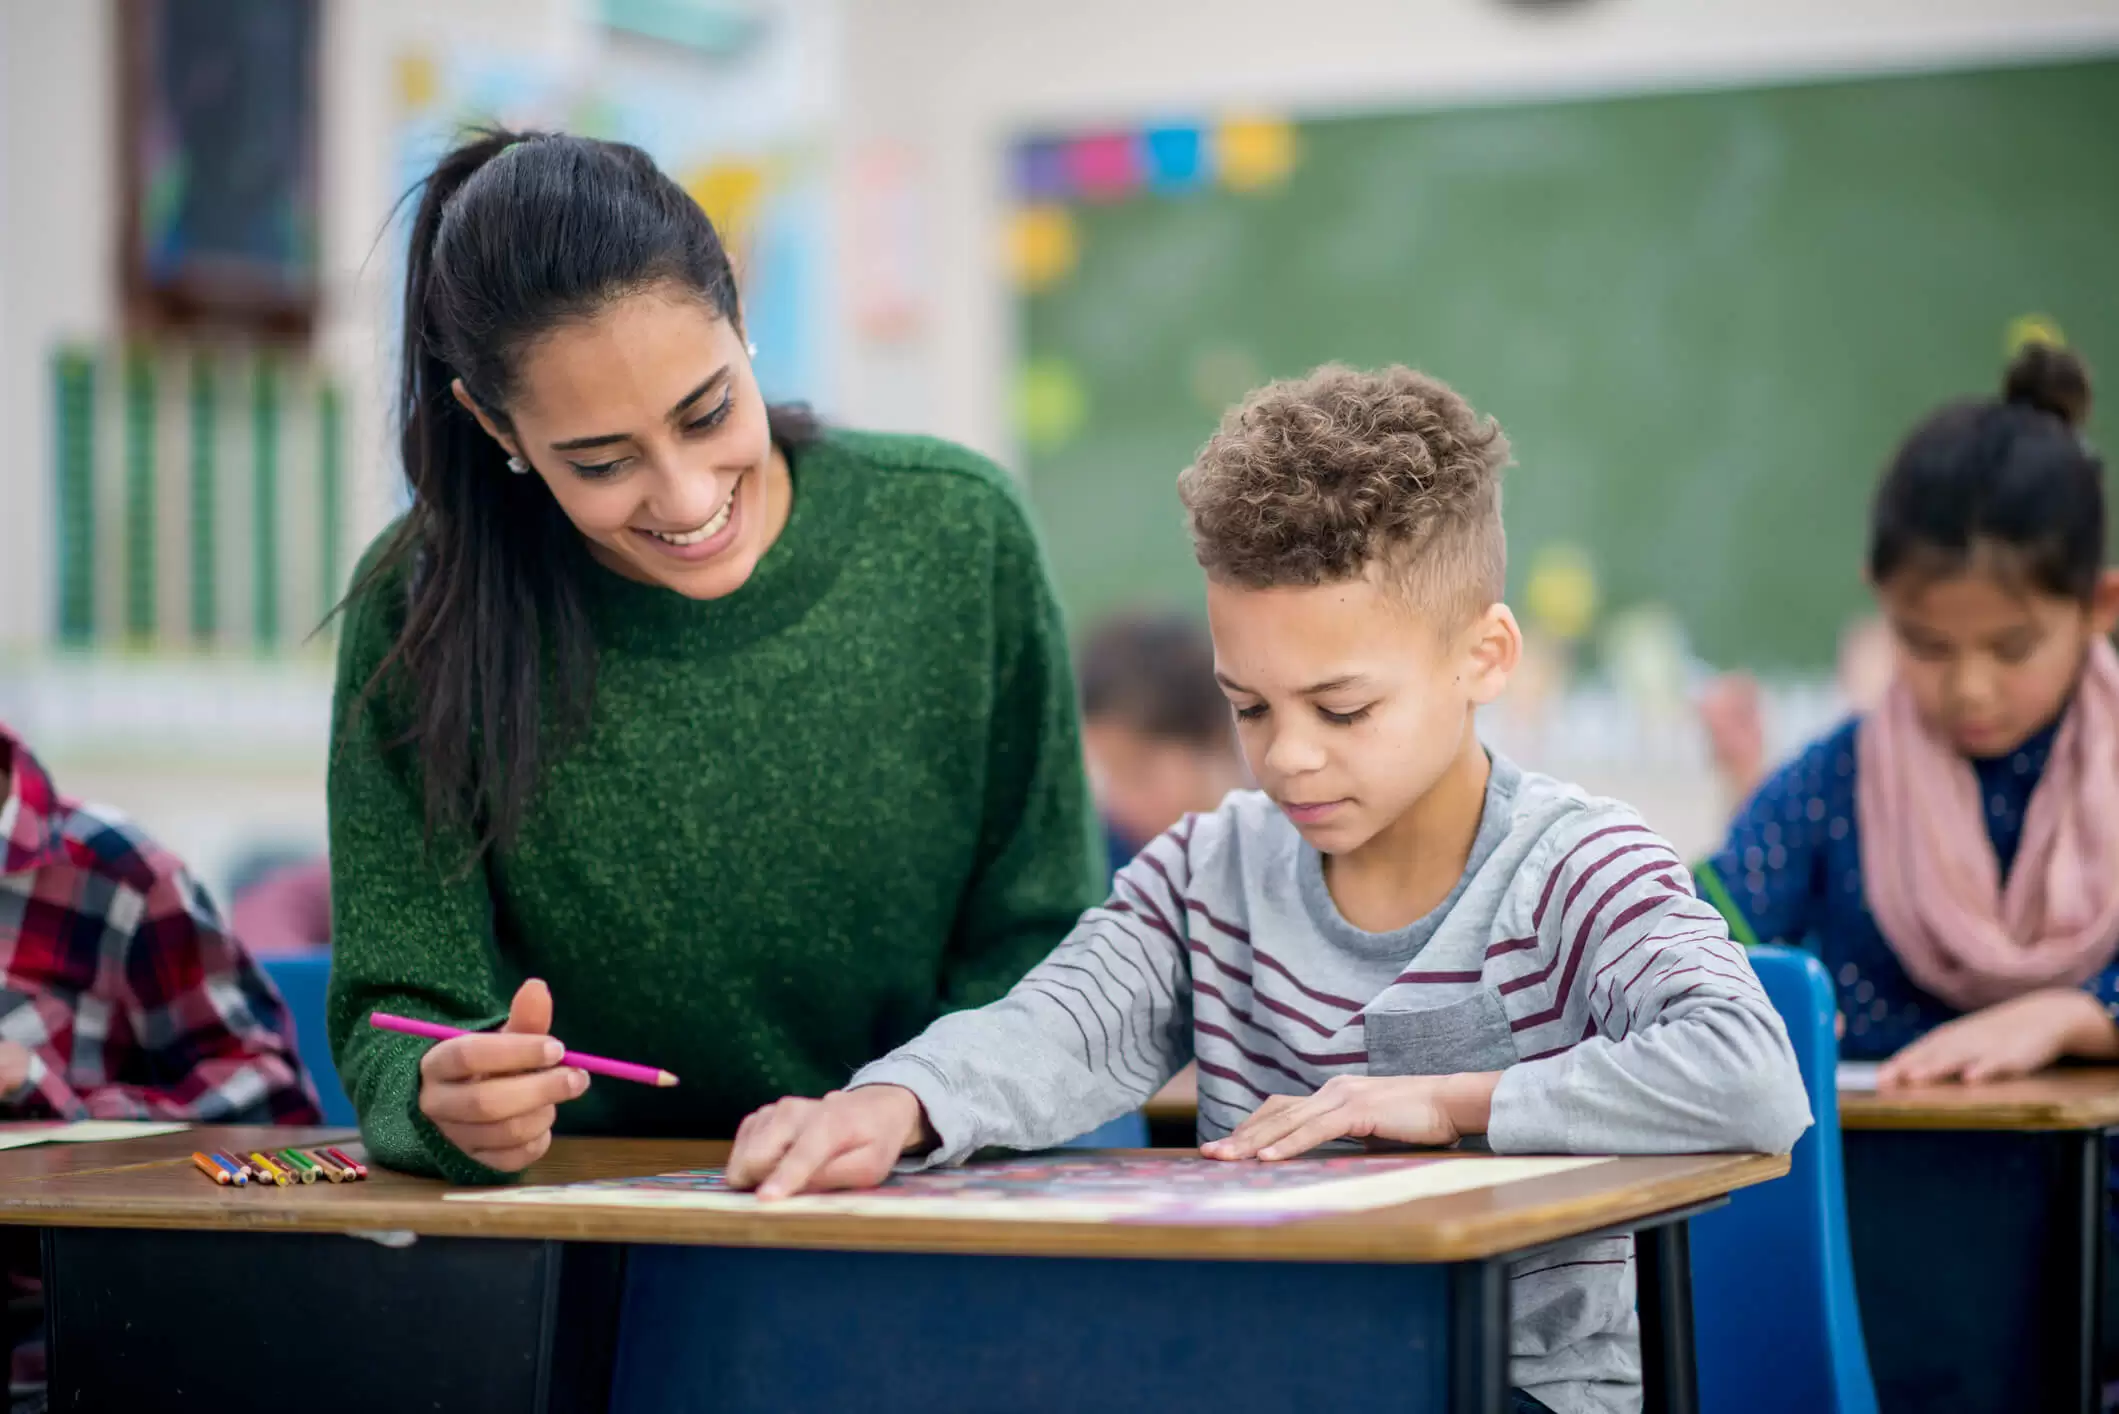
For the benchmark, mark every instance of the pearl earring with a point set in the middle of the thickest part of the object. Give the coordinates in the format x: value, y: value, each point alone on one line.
x: 751, y: 349
x: 518, y: 465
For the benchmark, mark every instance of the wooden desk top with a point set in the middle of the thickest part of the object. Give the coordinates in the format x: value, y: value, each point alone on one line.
x: 2068, y: 1098
x: 167, y: 1192
x: 40, y: 1162
x: 2084, y: 1097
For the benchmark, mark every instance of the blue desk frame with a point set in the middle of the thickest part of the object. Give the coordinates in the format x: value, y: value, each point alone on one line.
x: 1979, y: 1256
x: 548, y: 1327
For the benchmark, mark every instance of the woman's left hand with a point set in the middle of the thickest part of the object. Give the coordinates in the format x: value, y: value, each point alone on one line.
x: 2005, y: 1040
x: 1408, y: 1109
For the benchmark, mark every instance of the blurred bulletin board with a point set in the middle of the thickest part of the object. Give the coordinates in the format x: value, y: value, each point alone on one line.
x: 218, y: 130
x: 1704, y: 319
x: 738, y: 134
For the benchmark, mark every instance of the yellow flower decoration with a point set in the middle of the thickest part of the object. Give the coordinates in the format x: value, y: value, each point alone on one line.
x: 418, y: 81
x: 1561, y: 592
x: 1253, y: 152
x: 1042, y: 246
x: 2032, y: 329
x: 730, y: 193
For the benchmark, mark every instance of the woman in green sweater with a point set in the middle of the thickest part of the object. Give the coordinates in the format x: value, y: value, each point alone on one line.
x: 668, y: 723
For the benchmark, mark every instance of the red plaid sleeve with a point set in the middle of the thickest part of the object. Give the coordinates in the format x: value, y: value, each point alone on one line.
x: 134, y: 1000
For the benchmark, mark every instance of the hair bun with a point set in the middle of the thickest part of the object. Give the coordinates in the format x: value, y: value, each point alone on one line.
x: 2051, y: 379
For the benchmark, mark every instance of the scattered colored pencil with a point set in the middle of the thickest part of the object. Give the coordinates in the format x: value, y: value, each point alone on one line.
x: 237, y: 1169
x: 272, y: 1171
x: 360, y: 1170
x: 304, y: 1170
x: 596, y: 1065
x: 212, y: 1170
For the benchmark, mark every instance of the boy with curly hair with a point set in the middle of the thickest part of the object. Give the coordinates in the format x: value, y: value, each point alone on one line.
x: 1400, y: 936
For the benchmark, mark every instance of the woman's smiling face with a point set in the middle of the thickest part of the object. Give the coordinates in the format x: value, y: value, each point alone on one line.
x: 647, y: 426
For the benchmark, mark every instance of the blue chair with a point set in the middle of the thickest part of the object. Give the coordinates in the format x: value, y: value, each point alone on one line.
x: 1128, y: 1131
x: 303, y: 980
x: 1775, y: 1321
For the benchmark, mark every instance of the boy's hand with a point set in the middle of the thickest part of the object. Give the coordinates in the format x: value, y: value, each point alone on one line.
x: 848, y: 1139
x: 495, y: 1094
x: 2006, y: 1040
x: 1410, y: 1109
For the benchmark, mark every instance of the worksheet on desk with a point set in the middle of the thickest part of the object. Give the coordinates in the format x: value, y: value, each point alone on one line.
x: 1090, y: 1188
x: 86, y: 1131
x: 1858, y: 1075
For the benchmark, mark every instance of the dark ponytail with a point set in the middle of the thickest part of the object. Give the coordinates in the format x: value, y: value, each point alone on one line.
x: 2009, y: 480
x: 514, y: 233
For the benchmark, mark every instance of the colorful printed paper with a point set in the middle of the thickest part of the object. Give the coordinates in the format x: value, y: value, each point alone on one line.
x: 1090, y: 1188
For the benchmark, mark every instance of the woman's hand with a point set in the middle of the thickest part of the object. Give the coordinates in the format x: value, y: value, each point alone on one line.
x: 1408, y: 1109
x: 496, y: 1094
x: 2005, y: 1040
x: 848, y: 1139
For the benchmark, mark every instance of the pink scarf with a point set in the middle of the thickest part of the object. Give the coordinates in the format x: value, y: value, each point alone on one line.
x: 1929, y: 870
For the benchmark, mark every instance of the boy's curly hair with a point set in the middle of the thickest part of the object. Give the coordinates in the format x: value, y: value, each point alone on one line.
x: 1314, y: 480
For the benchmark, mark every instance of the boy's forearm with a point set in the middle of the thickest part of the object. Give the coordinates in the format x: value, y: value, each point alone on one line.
x: 1468, y: 1099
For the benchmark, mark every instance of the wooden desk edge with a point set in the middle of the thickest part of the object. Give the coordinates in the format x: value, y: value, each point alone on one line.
x: 1339, y: 1238
x: 2018, y: 1119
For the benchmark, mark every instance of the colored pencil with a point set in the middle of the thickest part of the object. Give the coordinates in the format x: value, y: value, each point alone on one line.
x: 236, y: 1169
x: 212, y: 1170
x: 360, y: 1170
x: 596, y: 1065
x: 272, y: 1171
x: 338, y: 1171
x: 301, y: 1168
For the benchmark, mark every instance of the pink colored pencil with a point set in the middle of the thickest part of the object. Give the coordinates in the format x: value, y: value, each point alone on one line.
x: 595, y: 1065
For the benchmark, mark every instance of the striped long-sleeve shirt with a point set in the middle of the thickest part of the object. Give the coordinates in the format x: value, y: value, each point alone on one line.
x: 1572, y: 956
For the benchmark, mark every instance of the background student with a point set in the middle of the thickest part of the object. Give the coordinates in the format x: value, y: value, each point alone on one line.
x: 1160, y: 742
x: 1949, y: 853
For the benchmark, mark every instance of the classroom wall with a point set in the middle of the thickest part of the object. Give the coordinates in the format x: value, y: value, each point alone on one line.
x: 57, y: 265
x: 936, y: 87
x: 58, y: 225
x: 214, y: 759
x: 949, y: 81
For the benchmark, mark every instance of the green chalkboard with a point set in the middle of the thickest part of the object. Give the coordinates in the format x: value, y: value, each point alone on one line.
x: 1704, y: 319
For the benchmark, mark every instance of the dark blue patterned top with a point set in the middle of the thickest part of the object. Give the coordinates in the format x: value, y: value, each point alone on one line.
x: 1792, y: 868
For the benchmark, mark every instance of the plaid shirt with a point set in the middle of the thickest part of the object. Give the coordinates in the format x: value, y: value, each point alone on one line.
x: 116, y: 974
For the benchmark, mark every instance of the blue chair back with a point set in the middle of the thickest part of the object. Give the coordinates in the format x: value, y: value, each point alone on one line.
x: 1128, y: 1131
x: 303, y: 980
x: 1775, y: 1319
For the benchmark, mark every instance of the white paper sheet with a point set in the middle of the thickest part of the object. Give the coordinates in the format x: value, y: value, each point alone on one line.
x: 1858, y: 1075
x: 87, y: 1131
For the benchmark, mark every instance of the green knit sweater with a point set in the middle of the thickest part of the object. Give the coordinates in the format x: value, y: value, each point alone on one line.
x: 805, y: 819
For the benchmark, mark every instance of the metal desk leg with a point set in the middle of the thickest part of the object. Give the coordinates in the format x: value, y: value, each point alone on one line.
x: 2086, y: 1219
x: 1663, y: 1273
x: 1479, y: 1337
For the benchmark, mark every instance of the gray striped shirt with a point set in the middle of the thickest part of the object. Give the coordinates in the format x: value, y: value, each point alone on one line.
x: 1572, y: 955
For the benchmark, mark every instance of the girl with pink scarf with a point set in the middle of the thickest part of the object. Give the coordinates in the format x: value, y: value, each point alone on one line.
x: 1953, y: 855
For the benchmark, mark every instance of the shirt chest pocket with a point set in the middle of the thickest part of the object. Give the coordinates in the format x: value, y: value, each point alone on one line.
x: 1467, y: 1035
